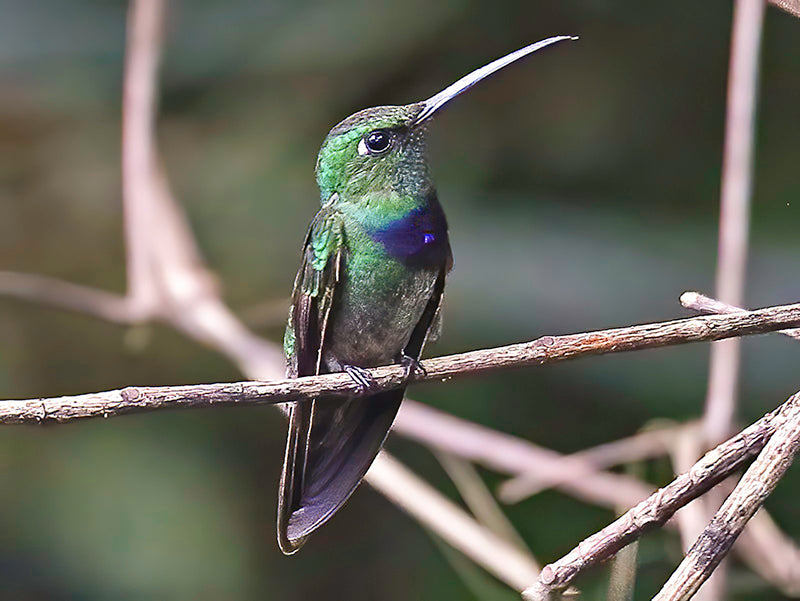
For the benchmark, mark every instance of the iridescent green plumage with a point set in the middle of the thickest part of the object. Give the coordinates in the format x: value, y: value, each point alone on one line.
x: 368, y: 293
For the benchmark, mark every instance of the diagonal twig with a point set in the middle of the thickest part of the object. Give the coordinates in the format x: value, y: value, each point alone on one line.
x: 576, y: 466
x: 509, y: 454
x: 753, y: 489
x: 711, y: 469
x: 480, y: 500
x: 452, y: 523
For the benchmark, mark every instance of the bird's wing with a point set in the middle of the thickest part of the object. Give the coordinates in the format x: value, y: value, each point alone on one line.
x: 312, y: 299
x: 313, y: 293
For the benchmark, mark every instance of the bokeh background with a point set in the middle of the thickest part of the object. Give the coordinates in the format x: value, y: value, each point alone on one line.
x: 582, y: 191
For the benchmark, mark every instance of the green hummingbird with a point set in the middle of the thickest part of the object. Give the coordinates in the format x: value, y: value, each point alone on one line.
x: 368, y: 293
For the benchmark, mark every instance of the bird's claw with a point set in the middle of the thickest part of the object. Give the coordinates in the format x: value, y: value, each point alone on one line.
x: 361, y: 377
x: 412, y: 366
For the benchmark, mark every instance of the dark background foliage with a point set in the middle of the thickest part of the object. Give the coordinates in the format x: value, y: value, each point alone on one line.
x: 582, y: 192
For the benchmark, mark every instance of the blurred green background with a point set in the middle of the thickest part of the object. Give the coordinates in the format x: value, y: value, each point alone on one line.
x: 582, y: 192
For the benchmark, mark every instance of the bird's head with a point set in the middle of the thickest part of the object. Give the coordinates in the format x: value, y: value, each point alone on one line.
x: 382, y: 150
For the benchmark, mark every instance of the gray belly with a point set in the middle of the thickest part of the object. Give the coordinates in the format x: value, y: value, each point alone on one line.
x: 371, y: 324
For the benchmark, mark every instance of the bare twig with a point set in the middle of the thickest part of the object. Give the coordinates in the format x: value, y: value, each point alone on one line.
x: 790, y: 6
x: 544, y: 350
x: 693, y: 517
x: 142, y: 59
x: 755, y: 486
x: 452, y: 523
x: 762, y: 544
x: 511, y: 455
x: 66, y: 295
x: 622, y: 579
x: 715, y: 466
x: 734, y: 226
x: 480, y: 501
x: 771, y: 553
x: 710, y: 306
x: 640, y: 446
x: 622, y: 574
x: 734, y: 220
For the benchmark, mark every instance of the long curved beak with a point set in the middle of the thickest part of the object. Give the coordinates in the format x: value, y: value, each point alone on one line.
x: 437, y: 101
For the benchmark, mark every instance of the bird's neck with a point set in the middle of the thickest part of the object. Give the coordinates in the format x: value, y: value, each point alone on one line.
x: 412, y: 229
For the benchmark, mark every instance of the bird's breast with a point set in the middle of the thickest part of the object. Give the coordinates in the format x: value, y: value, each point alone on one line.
x: 379, y: 306
x: 388, y: 278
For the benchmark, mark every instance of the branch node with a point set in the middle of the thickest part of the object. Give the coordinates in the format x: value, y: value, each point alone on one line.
x: 129, y: 394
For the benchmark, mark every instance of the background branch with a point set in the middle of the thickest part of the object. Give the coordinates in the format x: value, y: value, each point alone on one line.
x: 648, y: 444
x: 734, y: 220
x: 502, y: 558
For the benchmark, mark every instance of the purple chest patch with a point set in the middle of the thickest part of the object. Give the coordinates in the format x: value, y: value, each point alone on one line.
x: 421, y: 235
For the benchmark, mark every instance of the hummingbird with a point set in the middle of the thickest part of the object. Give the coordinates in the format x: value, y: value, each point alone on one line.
x: 368, y: 293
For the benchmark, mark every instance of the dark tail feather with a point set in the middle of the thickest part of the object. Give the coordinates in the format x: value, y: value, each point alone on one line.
x: 331, y: 445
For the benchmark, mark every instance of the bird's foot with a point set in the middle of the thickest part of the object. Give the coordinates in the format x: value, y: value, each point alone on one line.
x: 412, y: 366
x: 361, y: 377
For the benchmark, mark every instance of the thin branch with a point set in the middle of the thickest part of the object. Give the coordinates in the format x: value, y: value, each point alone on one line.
x: 509, y: 454
x: 576, y: 466
x: 734, y: 219
x: 771, y: 553
x: 693, y: 517
x: 480, y: 501
x: 755, y: 486
x: 452, y: 523
x: 544, y: 350
x: 654, y: 511
x: 622, y: 574
x: 58, y: 293
x: 710, y: 306
x: 140, y: 88
x: 790, y: 6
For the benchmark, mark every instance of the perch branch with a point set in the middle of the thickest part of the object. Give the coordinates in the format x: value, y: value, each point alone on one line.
x: 544, y: 350
x: 654, y: 511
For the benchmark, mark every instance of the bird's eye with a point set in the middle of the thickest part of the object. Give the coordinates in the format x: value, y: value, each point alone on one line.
x: 377, y: 141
